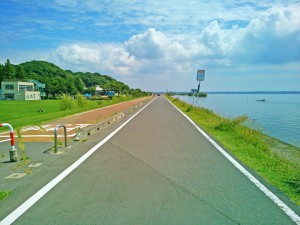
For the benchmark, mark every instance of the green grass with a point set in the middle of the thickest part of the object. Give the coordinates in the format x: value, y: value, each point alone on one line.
x: 253, y: 148
x: 25, y: 113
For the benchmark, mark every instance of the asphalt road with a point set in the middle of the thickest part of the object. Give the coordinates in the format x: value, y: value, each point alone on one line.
x: 158, y: 169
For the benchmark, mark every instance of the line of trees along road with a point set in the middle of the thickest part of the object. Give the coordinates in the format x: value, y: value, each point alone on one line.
x: 59, y: 81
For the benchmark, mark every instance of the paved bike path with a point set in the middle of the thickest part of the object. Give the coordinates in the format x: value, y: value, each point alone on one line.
x: 158, y: 169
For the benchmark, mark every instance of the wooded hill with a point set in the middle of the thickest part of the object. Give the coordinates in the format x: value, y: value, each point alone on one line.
x: 59, y: 81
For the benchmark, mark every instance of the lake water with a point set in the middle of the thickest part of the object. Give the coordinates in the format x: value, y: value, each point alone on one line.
x: 278, y: 116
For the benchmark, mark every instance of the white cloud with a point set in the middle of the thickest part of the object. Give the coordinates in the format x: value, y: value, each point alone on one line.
x: 111, y: 58
x: 273, y: 37
x: 149, y: 45
x: 265, y: 40
x: 185, y: 36
x: 75, y: 54
x: 154, y: 44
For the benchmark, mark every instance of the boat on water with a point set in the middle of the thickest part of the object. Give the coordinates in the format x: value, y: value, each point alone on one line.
x: 261, y: 100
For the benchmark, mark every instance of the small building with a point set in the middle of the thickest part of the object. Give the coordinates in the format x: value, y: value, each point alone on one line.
x: 99, y: 90
x: 17, y: 90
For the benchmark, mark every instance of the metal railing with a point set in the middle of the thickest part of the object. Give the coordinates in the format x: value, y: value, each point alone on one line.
x: 55, y: 136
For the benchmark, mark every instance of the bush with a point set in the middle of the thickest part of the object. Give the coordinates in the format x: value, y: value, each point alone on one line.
x: 96, y: 97
x: 66, y: 102
x: 202, y: 94
x: 81, y: 101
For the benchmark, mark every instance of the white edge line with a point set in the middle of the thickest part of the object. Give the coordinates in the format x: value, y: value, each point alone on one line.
x: 288, y: 211
x: 14, y: 215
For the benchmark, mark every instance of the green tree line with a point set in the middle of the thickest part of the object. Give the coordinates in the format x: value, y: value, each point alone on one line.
x: 59, y: 81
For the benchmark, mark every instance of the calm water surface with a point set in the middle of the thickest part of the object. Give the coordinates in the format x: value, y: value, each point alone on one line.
x: 278, y: 116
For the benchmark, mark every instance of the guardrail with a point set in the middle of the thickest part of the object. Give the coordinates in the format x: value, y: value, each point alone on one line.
x: 13, y: 152
x: 83, y: 133
x: 55, y: 136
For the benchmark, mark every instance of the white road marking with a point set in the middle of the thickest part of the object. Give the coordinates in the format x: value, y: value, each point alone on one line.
x: 288, y: 211
x: 14, y: 215
x: 35, y: 165
x: 37, y: 136
x: 16, y: 176
x: 5, y: 140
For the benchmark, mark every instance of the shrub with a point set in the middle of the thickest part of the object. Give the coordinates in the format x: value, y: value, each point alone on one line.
x: 81, y: 101
x: 66, y: 102
x: 202, y: 94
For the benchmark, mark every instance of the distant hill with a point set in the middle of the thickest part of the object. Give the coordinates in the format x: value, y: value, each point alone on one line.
x: 60, y: 81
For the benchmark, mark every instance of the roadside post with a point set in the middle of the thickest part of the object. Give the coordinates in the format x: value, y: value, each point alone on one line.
x: 194, y: 91
x: 12, y: 152
x: 200, y: 77
x: 55, y: 136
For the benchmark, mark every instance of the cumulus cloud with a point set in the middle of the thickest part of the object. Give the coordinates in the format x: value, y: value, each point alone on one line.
x: 149, y: 45
x: 105, y: 57
x: 271, y: 37
x: 178, y: 42
x: 156, y: 45
x: 77, y: 54
x: 274, y: 37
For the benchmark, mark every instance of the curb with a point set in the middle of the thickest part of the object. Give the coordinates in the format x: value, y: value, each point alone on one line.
x: 83, y: 133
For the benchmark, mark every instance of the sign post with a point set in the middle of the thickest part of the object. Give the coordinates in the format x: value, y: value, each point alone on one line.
x: 200, y: 77
x: 194, y: 91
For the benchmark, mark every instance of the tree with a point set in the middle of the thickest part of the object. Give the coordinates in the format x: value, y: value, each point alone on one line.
x: 59, y: 81
x: 71, y: 87
x: 79, y: 84
x: 1, y: 72
x: 20, y: 73
x: 90, y: 90
x: 137, y: 92
x: 8, y: 71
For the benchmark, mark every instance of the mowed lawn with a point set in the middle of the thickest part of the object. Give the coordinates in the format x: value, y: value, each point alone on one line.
x: 26, y: 113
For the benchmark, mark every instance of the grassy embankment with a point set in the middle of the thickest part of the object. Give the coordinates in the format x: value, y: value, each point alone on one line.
x: 25, y: 113
x: 276, y: 162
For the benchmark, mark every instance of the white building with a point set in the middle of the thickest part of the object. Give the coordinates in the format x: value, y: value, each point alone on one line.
x: 98, y: 90
x: 16, y: 90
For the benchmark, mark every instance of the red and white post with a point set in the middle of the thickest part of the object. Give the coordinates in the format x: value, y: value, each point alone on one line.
x: 12, y: 152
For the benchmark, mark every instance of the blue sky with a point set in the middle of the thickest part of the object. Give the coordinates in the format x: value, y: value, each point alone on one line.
x: 158, y: 45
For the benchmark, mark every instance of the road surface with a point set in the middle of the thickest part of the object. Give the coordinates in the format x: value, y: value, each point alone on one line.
x: 157, y: 169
